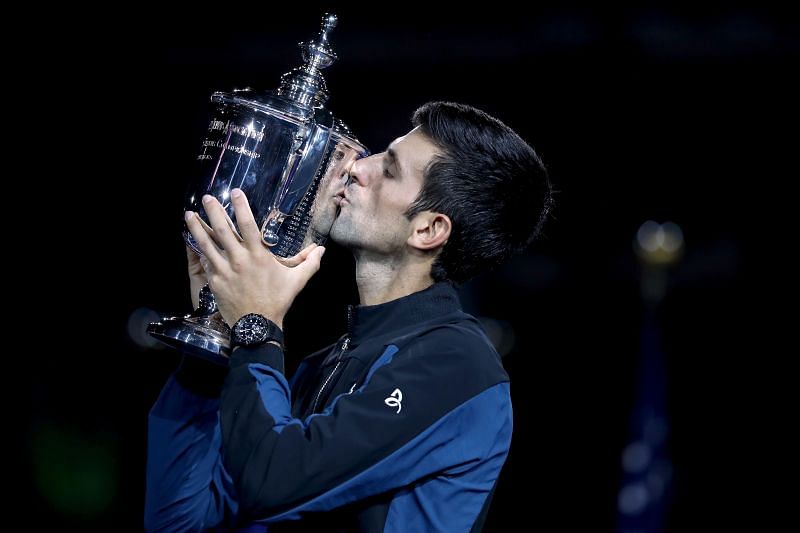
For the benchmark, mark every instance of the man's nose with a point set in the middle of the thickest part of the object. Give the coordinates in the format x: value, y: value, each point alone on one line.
x: 362, y: 170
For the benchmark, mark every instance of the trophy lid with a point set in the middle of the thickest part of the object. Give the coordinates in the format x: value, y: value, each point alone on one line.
x: 302, y: 93
x: 305, y: 85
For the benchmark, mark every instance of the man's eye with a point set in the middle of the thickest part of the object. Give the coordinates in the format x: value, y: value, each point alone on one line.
x: 387, y: 174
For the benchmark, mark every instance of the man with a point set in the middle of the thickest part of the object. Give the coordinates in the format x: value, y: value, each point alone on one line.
x: 405, y: 423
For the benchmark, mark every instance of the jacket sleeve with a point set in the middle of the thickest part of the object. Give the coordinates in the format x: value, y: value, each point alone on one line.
x: 187, y: 487
x: 425, y: 410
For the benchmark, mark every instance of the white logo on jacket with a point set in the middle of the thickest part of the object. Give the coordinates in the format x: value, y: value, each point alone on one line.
x: 394, y: 400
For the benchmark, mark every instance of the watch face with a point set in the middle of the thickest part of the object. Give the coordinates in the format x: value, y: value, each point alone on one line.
x: 251, y: 329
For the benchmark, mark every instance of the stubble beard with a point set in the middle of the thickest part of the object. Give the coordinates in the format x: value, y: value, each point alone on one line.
x: 343, y: 231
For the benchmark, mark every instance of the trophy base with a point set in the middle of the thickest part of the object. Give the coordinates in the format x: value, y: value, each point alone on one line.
x: 201, y: 336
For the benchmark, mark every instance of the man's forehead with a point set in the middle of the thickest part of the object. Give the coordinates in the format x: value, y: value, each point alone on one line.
x: 414, y: 138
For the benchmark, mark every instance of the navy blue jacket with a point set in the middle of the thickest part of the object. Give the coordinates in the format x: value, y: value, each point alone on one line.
x: 403, y: 425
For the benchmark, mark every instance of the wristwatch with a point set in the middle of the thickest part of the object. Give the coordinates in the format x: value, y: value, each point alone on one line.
x: 254, y: 329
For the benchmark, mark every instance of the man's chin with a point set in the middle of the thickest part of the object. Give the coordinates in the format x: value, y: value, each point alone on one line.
x: 323, y: 222
x: 339, y: 233
x: 334, y: 234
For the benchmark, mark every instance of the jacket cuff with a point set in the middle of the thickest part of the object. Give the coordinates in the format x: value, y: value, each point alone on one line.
x: 266, y: 354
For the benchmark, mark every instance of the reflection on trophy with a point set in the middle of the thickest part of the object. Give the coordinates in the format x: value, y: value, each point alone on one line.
x: 288, y: 154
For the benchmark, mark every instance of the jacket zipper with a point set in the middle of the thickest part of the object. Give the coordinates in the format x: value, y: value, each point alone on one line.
x: 316, y: 400
x: 342, y: 350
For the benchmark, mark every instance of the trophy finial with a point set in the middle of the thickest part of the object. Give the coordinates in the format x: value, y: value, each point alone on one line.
x: 305, y: 84
x: 329, y: 21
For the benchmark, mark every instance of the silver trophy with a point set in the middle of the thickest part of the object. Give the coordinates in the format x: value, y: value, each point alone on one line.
x: 289, y: 155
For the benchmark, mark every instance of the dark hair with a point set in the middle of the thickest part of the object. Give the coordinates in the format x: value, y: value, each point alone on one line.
x: 491, y: 184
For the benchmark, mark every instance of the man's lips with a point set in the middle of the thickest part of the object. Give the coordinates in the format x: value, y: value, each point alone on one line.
x: 340, y: 198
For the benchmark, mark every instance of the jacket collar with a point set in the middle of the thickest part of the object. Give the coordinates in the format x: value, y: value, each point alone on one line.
x: 368, y: 321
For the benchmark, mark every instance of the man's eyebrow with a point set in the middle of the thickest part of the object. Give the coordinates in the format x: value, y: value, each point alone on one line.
x: 393, y: 159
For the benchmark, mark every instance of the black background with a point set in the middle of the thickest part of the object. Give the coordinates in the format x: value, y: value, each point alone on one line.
x: 639, y: 112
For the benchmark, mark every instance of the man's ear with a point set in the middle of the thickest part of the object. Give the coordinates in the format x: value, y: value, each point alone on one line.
x: 430, y: 230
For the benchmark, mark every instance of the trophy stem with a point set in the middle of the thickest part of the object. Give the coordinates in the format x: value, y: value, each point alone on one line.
x: 202, y: 333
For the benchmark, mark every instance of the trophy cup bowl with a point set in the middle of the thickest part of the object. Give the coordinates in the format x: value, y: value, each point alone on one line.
x: 290, y: 156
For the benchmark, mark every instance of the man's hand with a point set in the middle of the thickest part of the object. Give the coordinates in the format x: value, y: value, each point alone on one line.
x: 197, y: 276
x: 243, y: 275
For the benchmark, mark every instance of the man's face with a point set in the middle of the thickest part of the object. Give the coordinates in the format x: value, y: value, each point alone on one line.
x: 380, y: 190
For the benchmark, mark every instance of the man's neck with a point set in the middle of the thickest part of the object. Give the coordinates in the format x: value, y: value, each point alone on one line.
x: 381, y: 281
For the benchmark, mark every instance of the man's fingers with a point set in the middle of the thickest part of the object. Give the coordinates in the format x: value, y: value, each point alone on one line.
x: 191, y: 255
x: 193, y: 260
x: 307, y: 250
x: 204, y: 242
x: 244, y: 218
x: 224, y: 232
x: 311, y: 265
x: 298, y: 258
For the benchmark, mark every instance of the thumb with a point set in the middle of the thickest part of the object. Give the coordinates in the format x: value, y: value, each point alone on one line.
x: 311, y: 265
